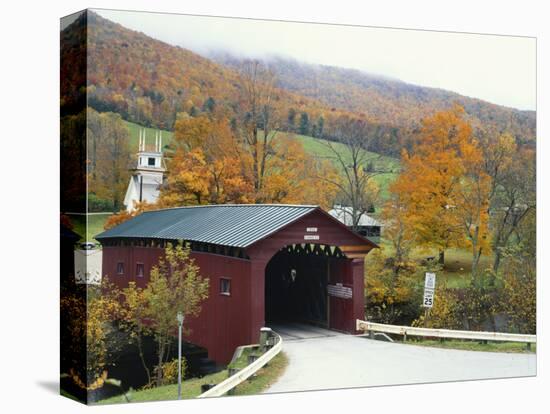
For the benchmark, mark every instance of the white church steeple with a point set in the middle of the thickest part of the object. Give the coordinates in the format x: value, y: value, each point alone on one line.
x: 148, y: 175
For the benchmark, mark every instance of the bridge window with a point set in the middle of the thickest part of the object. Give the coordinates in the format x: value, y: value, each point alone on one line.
x: 151, y: 162
x: 225, y: 286
x: 140, y: 270
x: 120, y: 268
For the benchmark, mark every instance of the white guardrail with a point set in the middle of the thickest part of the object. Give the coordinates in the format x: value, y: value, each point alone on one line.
x: 234, y: 380
x: 443, y: 333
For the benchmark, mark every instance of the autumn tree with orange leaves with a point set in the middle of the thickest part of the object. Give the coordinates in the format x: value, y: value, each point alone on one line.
x: 257, y: 119
x: 444, y: 186
x: 473, y: 200
x: 295, y: 177
x: 125, y: 215
x: 207, y: 167
x: 246, y: 160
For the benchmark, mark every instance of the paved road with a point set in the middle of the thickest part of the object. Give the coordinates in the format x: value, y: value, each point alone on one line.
x: 322, y: 359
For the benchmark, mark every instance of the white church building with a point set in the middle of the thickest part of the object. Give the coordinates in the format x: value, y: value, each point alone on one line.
x: 148, y: 176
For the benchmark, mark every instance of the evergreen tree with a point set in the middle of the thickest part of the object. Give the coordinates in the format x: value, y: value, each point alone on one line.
x: 291, y: 120
x: 320, y: 126
x: 209, y: 105
x: 194, y: 111
x: 314, y: 130
x: 304, y: 123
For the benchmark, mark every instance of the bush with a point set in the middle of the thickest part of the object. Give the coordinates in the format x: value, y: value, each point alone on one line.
x: 446, y: 312
x: 99, y: 205
x: 392, y: 297
x: 170, y: 371
x: 518, y: 296
x: 480, y: 299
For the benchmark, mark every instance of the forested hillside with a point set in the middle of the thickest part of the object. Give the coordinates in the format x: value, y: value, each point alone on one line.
x: 149, y: 82
x: 388, y: 101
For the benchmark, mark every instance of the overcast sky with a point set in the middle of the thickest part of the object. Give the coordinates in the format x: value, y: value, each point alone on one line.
x: 498, y: 69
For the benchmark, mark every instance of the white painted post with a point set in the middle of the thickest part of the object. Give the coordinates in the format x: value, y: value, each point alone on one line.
x: 179, y: 317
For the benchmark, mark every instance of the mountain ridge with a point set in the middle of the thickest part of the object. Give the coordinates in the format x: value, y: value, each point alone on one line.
x: 305, y: 79
x: 148, y: 81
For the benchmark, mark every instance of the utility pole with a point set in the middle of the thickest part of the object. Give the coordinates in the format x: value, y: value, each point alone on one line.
x: 180, y: 325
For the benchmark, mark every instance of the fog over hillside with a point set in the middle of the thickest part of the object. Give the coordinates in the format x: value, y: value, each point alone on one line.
x: 497, y: 69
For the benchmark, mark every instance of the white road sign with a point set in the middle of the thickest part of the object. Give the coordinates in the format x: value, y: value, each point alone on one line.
x: 428, y: 301
x: 429, y: 283
x: 429, y: 288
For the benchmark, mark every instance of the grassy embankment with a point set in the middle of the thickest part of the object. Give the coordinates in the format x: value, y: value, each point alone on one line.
x: 149, y: 136
x: 256, y: 384
x: 315, y: 146
x: 456, y: 272
x: 510, y: 347
x: 96, y: 222
x: 319, y: 148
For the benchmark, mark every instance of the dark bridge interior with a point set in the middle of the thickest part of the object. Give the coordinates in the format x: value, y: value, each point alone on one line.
x: 296, y: 284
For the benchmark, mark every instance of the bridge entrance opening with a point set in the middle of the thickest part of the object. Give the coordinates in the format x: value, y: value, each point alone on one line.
x: 296, y: 281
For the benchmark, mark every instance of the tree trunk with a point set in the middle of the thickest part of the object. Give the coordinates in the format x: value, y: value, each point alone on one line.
x: 441, y: 260
x: 159, y: 367
x: 141, y: 356
x: 496, y: 262
x: 475, y: 262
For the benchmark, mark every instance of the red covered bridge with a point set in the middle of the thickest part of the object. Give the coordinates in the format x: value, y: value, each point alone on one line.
x: 266, y: 263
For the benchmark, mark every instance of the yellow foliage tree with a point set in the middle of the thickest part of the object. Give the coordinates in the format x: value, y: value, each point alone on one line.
x: 429, y: 185
x: 207, y: 167
x: 122, y: 216
x: 472, y: 202
x: 295, y: 177
x: 389, y: 298
x: 89, y: 315
x: 213, y: 166
x: 108, y: 156
x: 176, y: 285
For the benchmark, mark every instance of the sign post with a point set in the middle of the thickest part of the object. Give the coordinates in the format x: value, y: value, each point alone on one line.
x: 429, y: 289
x: 179, y: 318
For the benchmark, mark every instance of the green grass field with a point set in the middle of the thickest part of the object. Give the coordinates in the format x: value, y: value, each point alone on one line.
x: 149, y: 135
x: 314, y: 146
x: 319, y: 148
x: 458, y: 264
x: 191, y: 388
x: 458, y: 267
x: 511, y: 347
x: 265, y: 377
x: 96, y: 221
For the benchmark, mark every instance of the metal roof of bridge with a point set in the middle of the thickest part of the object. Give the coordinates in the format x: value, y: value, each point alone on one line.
x: 236, y: 225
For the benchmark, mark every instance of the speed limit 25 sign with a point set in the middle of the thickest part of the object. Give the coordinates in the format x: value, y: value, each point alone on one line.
x: 429, y: 288
x: 428, y: 298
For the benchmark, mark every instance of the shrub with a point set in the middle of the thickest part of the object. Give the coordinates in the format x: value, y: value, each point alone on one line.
x: 446, y: 312
x: 170, y: 371
x: 392, y: 296
x: 517, y: 299
x: 98, y: 205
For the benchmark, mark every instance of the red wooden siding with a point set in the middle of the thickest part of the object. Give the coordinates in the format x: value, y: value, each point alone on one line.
x: 219, y: 327
x: 226, y: 322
